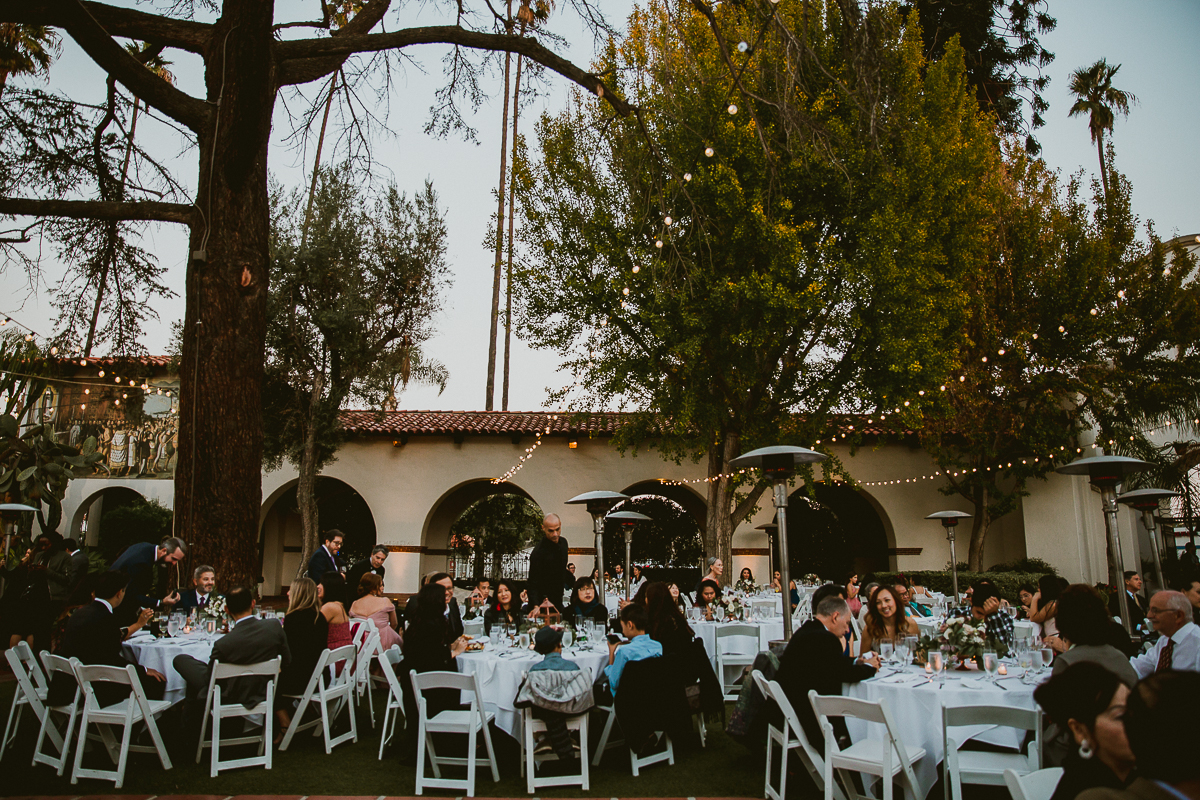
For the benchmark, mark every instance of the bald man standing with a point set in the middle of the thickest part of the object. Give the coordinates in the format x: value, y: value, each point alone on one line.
x: 548, y: 564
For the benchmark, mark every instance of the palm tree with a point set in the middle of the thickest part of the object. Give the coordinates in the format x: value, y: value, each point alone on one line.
x: 497, y: 264
x: 26, y: 50
x: 1096, y: 97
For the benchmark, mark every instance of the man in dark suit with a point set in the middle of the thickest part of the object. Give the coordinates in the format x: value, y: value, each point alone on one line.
x: 77, y: 572
x: 454, y: 623
x: 138, y: 562
x: 249, y: 641
x: 548, y: 565
x: 379, y: 554
x: 1137, y: 606
x: 94, y: 637
x: 204, y: 578
x: 814, y: 659
x: 325, y: 559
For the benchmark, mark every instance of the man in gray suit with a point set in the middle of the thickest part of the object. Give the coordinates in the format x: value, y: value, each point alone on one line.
x: 249, y: 641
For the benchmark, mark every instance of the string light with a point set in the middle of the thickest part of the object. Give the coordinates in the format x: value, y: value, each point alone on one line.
x: 523, y: 460
x: 708, y: 151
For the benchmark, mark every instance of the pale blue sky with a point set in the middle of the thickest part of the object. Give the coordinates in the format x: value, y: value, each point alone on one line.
x: 1155, y: 41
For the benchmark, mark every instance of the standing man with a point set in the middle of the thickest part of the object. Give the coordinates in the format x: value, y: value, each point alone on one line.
x: 1179, y: 646
x: 205, y: 579
x: 548, y: 565
x: 325, y: 559
x: 78, y: 572
x: 1137, y: 606
x: 379, y: 554
x: 138, y: 562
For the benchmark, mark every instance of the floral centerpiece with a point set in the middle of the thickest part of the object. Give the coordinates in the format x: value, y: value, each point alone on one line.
x: 214, y: 608
x: 731, y: 605
x: 811, y: 579
x: 965, y: 638
x: 745, y: 585
x: 614, y: 587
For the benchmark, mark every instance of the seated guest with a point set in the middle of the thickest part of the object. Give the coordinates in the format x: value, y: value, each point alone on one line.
x: 204, y: 579
x: 325, y: 558
x: 428, y: 647
x: 373, y: 564
x: 1025, y: 595
x: 506, y: 610
x: 637, y: 581
x: 887, y: 621
x: 1045, y: 605
x: 665, y: 623
x: 480, y: 599
x: 793, y: 595
x: 708, y: 594
x: 584, y: 603
x: 868, y: 594
x: 94, y: 637
x: 1191, y: 590
x: 569, y: 578
x: 548, y: 642
x: 372, y: 605
x: 634, y: 621
x: 1178, y: 647
x: 1158, y: 711
x: 1089, y: 701
x: 307, y: 633
x: 449, y: 607
x: 716, y: 567
x: 1087, y: 633
x: 985, y: 607
x: 814, y: 659
x: 332, y: 591
x: 745, y: 581
x: 250, y: 641
x: 911, y: 606
x: 681, y: 599
x: 835, y: 590
x: 777, y: 583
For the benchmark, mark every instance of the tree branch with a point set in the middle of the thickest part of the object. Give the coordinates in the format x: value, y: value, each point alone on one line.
x: 315, y: 68
x: 292, y: 54
x: 126, y: 22
x: 113, y: 59
x: 98, y: 209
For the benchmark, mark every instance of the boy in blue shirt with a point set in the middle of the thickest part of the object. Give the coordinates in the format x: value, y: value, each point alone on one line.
x: 640, y: 646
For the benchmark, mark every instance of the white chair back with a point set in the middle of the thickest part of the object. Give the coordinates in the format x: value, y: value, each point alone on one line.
x: 28, y: 693
x: 987, y: 768
x: 29, y: 660
x: 394, y: 707
x: 332, y: 689
x: 894, y: 753
x: 1038, y: 785
x: 134, y: 709
x: 55, y: 665
x: 218, y: 710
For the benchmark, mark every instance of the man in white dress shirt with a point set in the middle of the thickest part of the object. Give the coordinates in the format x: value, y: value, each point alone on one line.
x: 1179, y: 647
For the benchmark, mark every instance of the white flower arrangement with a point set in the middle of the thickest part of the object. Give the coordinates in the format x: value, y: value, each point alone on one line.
x: 215, y: 607
x: 745, y: 585
x: 730, y: 604
x: 968, y: 640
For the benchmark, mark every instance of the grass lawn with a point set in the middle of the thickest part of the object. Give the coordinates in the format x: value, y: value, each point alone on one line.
x: 723, y: 769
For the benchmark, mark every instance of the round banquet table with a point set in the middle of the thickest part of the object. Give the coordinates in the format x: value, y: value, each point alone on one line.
x: 499, y: 673
x: 157, y: 654
x: 916, y: 708
x: 768, y: 630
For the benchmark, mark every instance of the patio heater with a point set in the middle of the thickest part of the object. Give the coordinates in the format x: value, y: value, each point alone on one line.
x: 628, y: 520
x: 1105, y: 472
x: 8, y: 513
x: 779, y: 463
x: 1146, y: 501
x: 598, y: 504
x: 772, y: 531
x: 949, y: 520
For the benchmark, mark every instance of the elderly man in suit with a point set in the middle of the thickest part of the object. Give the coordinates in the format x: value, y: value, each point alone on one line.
x: 94, y: 637
x: 249, y: 641
x: 325, y: 559
x: 204, y: 579
x: 379, y: 554
x: 138, y: 562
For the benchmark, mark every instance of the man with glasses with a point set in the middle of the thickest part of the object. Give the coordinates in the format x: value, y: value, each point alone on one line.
x: 1179, y: 646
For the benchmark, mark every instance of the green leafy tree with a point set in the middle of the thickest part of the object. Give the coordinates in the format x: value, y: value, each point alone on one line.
x: 350, y: 309
x: 131, y: 523
x: 1077, y: 324
x: 1096, y: 97
x: 670, y: 539
x: 737, y: 263
x: 496, y: 526
x: 26, y: 50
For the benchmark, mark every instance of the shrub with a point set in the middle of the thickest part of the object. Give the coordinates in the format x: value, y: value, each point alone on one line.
x: 1008, y: 583
x: 142, y: 521
x: 1035, y: 565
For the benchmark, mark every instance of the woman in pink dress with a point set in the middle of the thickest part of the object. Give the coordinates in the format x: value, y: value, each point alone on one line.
x: 372, y: 605
x: 331, y: 590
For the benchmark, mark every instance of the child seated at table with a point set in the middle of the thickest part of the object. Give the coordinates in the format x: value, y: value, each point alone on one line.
x: 548, y: 642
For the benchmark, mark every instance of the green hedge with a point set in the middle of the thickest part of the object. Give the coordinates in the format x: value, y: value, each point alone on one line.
x: 1009, y: 583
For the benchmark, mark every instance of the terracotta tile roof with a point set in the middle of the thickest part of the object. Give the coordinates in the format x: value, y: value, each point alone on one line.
x: 107, y: 361
x: 527, y: 423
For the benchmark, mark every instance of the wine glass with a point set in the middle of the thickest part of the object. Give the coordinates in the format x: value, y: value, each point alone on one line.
x: 990, y: 664
x: 911, y: 642
x: 523, y: 641
x: 1047, y: 655
x: 568, y: 637
x: 937, y: 662
x: 174, y: 623
x: 886, y: 649
x: 903, y: 653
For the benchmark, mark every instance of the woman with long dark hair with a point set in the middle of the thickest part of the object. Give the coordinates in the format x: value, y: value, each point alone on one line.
x: 1045, y: 604
x: 886, y: 620
x: 585, y: 604
x: 706, y: 596
x: 507, y: 608
x: 666, y: 625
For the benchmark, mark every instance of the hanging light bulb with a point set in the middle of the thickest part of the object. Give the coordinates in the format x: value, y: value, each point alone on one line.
x: 53, y: 351
x: 667, y: 221
x: 743, y: 47
x: 636, y: 269
x: 101, y: 373
x: 708, y: 151
x: 658, y: 243
x: 732, y: 109
x: 687, y: 176
x: 1061, y: 329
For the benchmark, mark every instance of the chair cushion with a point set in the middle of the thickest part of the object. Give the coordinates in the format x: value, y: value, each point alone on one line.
x: 867, y: 756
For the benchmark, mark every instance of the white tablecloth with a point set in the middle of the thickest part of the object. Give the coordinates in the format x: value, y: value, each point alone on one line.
x: 157, y: 654
x: 499, y: 675
x: 917, y: 712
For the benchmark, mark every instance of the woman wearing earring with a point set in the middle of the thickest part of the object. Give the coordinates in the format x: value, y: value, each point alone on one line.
x: 1089, y: 701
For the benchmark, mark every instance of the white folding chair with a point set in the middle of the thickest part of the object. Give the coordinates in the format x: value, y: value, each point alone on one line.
x: 127, y: 714
x: 394, y: 708
x: 366, y: 640
x: 470, y: 722
x: 606, y: 743
x: 48, y: 730
x: 792, y: 737
x: 530, y: 760
x: 886, y: 757
x: 731, y: 689
x: 331, y: 690
x: 219, y: 711
x: 987, y: 768
x: 1038, y: 785
x: 31, y: 691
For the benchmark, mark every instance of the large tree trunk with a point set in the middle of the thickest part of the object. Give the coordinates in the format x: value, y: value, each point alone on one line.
x: 306, y: 486
x: 498, y: 264
x: 218, y: 482
x: 1103, y: 168
x: 979, y: 530
x: 718, y: 533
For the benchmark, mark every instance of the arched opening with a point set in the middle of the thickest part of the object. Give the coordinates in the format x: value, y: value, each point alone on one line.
x: 442, y: 551
x: 118, y: 501
x: 281, y: 539
x: 668, y: 547
x: 834, y: 533
x: 685, y: 496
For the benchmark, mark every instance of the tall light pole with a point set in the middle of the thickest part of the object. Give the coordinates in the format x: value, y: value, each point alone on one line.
x: 772, y: 531
x: 598, y: 504
x: 1146, y: 501
x: 628, y: 520
x: 949, y: 520
x: 1105, y: 472
x: 779, y: 463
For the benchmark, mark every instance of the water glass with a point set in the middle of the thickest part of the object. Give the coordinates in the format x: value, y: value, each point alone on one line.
x: 1047, y: 655
x: 937, y: 663
x: 990, y: 664
x: 1035, y: 660
x: 886, y: 649
x: 568, y: 637
x: 523, y: 641
x: 210, y: 627
x: 903, y: 654
x: 911, y: 643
